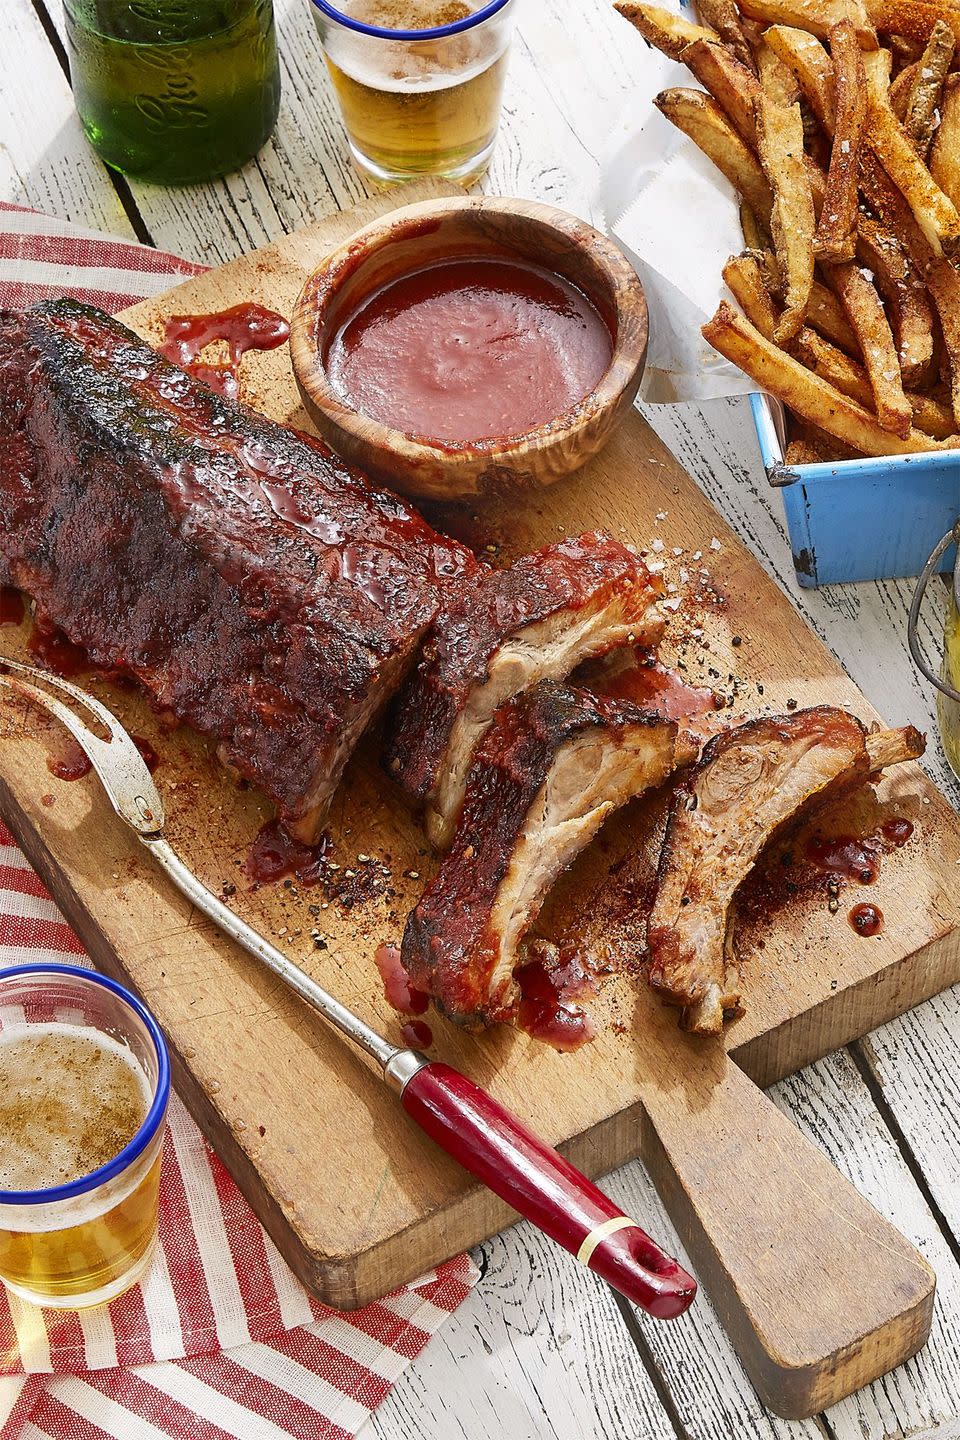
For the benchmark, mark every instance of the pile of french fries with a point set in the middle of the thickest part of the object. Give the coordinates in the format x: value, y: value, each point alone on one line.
x: 838, y: 123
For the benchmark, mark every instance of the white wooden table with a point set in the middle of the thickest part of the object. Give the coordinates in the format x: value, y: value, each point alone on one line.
x: 541, y: 1349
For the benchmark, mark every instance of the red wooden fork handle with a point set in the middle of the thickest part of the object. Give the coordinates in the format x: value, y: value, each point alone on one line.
x: 498, y: 1148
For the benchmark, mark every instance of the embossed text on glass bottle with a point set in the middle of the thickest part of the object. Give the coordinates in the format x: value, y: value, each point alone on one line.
x: 174, y: 91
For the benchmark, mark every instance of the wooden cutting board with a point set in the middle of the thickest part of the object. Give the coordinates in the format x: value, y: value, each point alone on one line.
x: 819, y: 1294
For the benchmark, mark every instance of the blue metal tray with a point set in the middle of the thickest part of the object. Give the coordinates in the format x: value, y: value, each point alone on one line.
x: 860, y: 519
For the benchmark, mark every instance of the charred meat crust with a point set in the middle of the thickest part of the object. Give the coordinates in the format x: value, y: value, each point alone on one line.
x: 498, y: 633
x: 461, y: 941
x: 751, y: 783
x: 259, y: 588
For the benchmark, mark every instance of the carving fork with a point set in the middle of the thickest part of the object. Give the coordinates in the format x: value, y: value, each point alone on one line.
x: 472, y: 1127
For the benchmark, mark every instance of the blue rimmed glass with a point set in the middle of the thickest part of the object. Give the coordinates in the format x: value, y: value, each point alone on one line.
x: 86, y: 1241
x: 418, y: 97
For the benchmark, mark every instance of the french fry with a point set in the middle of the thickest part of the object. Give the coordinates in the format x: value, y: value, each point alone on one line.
x: 933, y: 211
x: 662, y: 28
x: 754, y: 236
x: 731, y: 84
x: 802, y: 452
x: 723, y: 16
x: 867, y: 319
x: 905, y: 296
x: 941, y: 279
x: 943, y: 286
x: 811, y: 65
x: 776, y: 79
x: 900, y: 90
x: 825, y: 314
x: 835, y: 235
x: 824, y: 446
x: 811, y: 398
x: 929, y: 415
x: 780, y: 144
x: 945, y: 151
x: 886, y: 201
x: 744, y: 278
x: 933, y: 417
x: 911, y: 19
x: 923, y: 102
x: 817, y: 16
x: 700, y: 117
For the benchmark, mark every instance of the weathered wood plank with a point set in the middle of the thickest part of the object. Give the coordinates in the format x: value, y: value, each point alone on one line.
x: 916, y: 1061
x: 538, y: 1350
x: 45, y: 161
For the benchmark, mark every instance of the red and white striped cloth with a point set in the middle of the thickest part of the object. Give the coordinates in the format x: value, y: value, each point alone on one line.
x: 219, y: 1341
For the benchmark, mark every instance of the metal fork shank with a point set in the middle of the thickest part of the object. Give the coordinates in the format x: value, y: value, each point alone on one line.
x: 228, y: 921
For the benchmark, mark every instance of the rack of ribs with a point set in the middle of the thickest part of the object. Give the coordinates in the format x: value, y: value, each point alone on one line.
x: 260, y: 589
x: 497, y: 634
x: 750, y: 783
x: 554, y: 763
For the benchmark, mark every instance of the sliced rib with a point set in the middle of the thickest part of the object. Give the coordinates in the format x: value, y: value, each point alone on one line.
x: 260, y: 589
x: 750, y: 782
x: 552, y: 766
x: 498, y: 633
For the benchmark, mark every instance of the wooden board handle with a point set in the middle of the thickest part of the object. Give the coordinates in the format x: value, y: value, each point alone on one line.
x: 818, y: 1292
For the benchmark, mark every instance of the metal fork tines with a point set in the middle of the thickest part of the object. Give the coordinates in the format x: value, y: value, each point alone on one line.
x: 122, y: 769
x: 124, y: 776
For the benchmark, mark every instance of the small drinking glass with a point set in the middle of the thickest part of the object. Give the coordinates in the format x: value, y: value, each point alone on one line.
x: 84, y: 1241
x: 419, y: 82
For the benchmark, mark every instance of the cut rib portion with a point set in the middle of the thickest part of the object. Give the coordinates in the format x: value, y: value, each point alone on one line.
x: 496, y: 635
x: 750, y: 782
x: 256, y: 586
x: 549, y: 770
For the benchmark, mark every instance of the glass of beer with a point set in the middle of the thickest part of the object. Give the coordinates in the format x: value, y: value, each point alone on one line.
x: 419, y: 82
x: 84, y: 1086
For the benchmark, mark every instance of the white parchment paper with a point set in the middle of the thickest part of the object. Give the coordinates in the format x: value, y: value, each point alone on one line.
x: 677, y: 218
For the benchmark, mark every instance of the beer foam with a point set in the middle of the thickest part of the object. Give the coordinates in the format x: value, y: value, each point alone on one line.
x: 70, y: 1099
x: 409, y: 14
x: 422, y: 66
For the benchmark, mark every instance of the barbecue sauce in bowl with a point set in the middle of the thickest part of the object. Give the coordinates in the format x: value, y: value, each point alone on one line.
x: 470, y: 346
x: 470, y: 349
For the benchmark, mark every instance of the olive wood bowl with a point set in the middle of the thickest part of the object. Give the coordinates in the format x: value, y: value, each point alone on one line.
x: 418, y: 235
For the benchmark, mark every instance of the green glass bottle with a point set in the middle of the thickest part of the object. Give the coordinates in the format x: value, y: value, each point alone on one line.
x: 174, y: 91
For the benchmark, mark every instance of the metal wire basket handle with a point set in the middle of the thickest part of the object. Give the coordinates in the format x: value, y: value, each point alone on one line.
x: 952, y: 537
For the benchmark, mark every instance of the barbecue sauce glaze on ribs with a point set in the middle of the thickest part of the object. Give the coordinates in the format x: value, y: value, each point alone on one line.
x: 553, y: 765
x: 497, y: 634
x: 750, y: 782
x: 259, y: 588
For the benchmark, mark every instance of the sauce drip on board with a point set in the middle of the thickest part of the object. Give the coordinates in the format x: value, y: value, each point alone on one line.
x: 849, y: 857
x: 275, y: 854
x: 550, y: 988
x: 405, y: 998
x: 470, y: 349
x: 70, y: 764
x: 897, y: 830
x: 866, y: 919
x: 243, y: 327
x: 417, y: 1033
x: 12, y: 609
